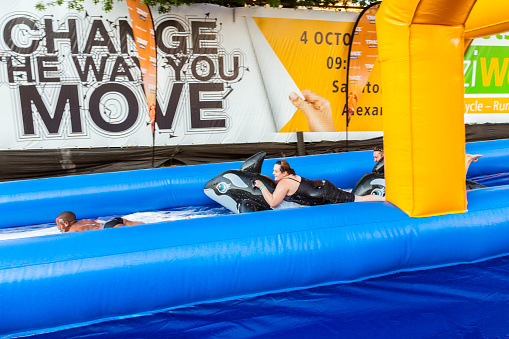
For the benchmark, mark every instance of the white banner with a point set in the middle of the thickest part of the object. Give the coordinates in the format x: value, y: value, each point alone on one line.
x: 72, y: 79
x: 69, y: 79
x: 224, y: 76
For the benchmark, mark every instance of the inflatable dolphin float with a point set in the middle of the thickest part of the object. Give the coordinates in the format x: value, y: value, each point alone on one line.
x: 374, y: 182
x: 235, y: 189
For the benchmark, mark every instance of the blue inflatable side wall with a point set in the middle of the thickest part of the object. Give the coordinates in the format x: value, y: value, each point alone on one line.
x: 39, y: 201
x: 70, y: 279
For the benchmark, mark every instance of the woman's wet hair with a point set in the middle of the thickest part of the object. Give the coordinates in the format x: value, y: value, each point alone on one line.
x: 285, y: 166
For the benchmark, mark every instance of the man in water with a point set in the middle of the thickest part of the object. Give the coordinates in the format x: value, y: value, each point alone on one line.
x: 378, y: 154
x: 66, y: 222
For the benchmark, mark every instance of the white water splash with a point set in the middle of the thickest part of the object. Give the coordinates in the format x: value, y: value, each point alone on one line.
x: 146, y: 217
x: 16, y: 233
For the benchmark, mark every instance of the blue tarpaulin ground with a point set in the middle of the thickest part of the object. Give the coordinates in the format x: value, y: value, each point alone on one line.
x: 463, y: 301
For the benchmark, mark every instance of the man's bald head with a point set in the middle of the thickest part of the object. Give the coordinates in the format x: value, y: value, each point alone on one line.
x: 67, y: 216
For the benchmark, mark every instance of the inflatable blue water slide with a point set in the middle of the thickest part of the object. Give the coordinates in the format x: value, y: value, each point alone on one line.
x: 67, y: 280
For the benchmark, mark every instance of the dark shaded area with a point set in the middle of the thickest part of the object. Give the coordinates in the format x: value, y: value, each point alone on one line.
x: 28, y: 164
x: 486, y: 132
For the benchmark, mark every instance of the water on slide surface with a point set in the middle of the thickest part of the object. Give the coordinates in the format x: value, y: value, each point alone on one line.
x: 183, y: 213
x: 146, y: 217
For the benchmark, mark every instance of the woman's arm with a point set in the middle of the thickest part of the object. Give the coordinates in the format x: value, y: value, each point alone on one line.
x: 273, y: 199
x: 129, y: 222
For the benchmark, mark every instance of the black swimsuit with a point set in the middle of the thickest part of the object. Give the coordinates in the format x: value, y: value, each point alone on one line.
x: 318, y: 192
x: 114, y: 222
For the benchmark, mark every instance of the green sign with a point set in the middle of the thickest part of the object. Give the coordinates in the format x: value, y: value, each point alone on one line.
x: 486, y: 66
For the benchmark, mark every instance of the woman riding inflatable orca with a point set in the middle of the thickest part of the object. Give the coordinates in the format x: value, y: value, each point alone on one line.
x: 247, y: 190
x: 296, y: 189
x: 374, y: 183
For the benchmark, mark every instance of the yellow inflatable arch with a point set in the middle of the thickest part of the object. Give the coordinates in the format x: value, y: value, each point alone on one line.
x: 421, y: 48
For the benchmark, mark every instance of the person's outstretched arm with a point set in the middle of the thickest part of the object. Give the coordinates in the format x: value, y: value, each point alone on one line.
x: 470, y: 158
x: 361, y: 198
x: 129, y: 222
x: 273, y: 199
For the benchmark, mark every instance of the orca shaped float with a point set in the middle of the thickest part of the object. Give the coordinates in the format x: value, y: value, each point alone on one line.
x: 374, y: 182
x: 235, y: 189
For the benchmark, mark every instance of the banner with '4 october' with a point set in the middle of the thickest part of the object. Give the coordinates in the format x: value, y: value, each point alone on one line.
x: 229, y: 76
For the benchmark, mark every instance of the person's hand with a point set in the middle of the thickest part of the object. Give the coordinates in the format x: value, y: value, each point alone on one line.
x: 317, y: 110
x: 474, y: 157
x: 258, y: 184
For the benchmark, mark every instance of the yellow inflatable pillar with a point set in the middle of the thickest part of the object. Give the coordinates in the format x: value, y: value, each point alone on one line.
x: 421, y: 46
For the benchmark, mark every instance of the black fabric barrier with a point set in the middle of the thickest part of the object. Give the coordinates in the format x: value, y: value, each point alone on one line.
x: 28, y: 164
